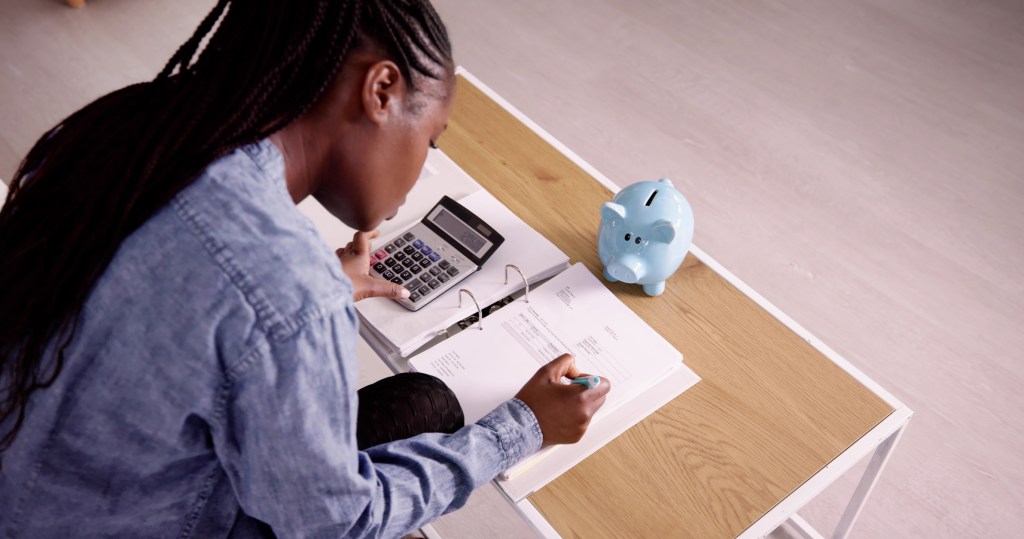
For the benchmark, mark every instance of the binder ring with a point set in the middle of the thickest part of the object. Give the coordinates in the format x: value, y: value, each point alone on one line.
x: 526, y: 294
x: 479, y: 313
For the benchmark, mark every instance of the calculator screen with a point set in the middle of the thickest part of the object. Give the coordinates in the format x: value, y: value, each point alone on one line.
x: 459, y: 231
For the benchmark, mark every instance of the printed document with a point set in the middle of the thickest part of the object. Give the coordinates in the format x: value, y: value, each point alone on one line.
x: 572, y: 313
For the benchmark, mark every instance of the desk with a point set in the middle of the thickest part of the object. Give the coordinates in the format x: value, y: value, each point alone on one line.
x: 777, y: 417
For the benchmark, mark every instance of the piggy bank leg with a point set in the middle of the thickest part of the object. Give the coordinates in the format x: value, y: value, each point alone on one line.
x: 654, y: 289
x: 609, y: 277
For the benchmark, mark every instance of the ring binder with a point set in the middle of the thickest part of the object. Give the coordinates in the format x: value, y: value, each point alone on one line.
x: 479, y: 312
x: 393, y: 333
x: 574, y: 312
x: 526, y: 293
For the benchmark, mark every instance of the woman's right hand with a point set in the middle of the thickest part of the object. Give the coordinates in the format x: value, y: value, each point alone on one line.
x: 355, y: 262
x: 562, y: 410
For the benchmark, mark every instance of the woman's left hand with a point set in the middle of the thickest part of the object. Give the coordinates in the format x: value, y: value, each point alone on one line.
x: 355, y: 262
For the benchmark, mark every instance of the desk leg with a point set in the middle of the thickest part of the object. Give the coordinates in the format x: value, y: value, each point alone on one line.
x: 798, y: 528
x: 867, y: 483
x: 539, y: 523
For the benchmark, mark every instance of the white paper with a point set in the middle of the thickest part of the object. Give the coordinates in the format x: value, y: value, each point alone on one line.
x: 536, y: 471
x: 572, y: 313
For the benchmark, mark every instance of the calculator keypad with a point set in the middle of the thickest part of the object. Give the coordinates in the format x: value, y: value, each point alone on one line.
x: 409, y: 261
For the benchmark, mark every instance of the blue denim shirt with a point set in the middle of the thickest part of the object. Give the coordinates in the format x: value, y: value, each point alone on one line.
x: 210, y: 390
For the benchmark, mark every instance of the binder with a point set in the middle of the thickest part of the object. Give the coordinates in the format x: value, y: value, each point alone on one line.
x: 489, y: 361
x: 393, y: 332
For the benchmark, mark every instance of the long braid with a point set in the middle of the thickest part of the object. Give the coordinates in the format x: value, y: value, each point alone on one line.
x: 97, y: 176
x: 183, y: 56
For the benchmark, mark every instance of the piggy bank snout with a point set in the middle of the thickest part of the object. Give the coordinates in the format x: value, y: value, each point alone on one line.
x: 626, y: 268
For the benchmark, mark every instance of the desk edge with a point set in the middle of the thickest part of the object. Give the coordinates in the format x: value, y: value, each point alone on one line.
x: 732, y: 279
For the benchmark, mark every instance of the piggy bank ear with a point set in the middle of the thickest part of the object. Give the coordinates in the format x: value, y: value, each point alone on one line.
x: 611, y: 210
x: 664, y: 230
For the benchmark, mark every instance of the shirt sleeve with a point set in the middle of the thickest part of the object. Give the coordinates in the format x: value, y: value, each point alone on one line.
x: 286, y: 438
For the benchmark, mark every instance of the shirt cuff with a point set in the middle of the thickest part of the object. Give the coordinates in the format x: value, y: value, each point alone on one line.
x: 518, y: 432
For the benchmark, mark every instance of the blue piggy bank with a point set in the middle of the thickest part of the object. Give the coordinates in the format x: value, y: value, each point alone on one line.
x: 645, y: 233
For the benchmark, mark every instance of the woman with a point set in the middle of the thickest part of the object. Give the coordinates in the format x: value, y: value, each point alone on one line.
x: 176, y: 342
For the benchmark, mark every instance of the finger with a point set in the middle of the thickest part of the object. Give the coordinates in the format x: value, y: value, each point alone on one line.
x: 572, y: 371
x: 360, y: 243
x: 379, y: 288
x: 600, y: 390
x: 363, y: 239
x: 596, y: 404
x: 562, y: 366
x: 346, y: 250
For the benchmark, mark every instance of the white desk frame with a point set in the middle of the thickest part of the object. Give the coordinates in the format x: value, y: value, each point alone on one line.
x: 879, y: 441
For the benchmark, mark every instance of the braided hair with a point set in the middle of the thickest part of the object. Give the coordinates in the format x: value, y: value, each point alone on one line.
x: 98, y: 175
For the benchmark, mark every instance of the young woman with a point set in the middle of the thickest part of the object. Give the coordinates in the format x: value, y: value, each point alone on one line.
x: 177, y: 343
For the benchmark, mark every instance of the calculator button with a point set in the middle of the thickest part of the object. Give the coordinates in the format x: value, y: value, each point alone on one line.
x: 444, y: 264
x: 434, y: 283
x: 381, y: 254
x: 379, y: 267
x: 434, y: 256
x: 417, y: 244
x: 414, y: 297
x: 409, y: 249
x: 406, y: 274
x: 426, y: 250
x: 453, y: 271
x: 409, y: 236
x: 425, y: 263
x: 417, y: 255
x: 397, y: 280
x: 443, y: 277
x: 424, y: 290
x: 390, y: 248
x: 388, y: 274
x: 400, y: 255
x: 399, y: 242
x: 415, y: 269
x: 435, y: 270
x: 413, y: 284
x: 390, y: 262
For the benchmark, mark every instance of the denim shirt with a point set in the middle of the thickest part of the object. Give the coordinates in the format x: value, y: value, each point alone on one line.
x: 210, y: 390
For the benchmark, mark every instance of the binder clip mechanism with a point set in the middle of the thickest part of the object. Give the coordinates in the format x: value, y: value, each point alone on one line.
x: 479, y: 312
x: 526, y: 291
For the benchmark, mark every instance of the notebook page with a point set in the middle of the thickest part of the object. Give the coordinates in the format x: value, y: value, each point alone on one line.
x: 574, y: 313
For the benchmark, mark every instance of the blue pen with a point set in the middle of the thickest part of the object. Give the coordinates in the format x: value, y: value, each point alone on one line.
x: 589, y: 381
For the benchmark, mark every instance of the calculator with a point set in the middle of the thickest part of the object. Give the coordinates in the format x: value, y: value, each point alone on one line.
x: 437, y: 253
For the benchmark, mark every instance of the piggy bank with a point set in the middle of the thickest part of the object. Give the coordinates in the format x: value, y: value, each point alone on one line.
x: 645, y: 233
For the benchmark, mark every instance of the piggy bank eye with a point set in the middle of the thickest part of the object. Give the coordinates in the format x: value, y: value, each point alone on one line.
x: 627, y: 236
x: 637, y: 239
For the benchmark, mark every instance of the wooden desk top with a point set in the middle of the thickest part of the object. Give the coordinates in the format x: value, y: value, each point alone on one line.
x: 770, y: 412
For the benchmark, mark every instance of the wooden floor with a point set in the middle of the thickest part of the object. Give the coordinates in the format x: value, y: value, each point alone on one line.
x: 860, y: 164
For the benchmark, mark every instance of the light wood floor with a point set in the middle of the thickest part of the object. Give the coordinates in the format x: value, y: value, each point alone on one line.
x: 860, y: 164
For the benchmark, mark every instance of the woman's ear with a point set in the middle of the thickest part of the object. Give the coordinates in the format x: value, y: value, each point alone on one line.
x: 383, y: 91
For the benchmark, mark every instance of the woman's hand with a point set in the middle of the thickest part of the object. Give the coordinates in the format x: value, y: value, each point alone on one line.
x: 563, y: 411
x: 355, y: 262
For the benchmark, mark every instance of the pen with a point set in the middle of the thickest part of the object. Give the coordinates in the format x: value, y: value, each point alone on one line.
x: 589, y: 381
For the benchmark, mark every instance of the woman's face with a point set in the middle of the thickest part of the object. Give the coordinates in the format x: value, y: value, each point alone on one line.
x: 376, y: 134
